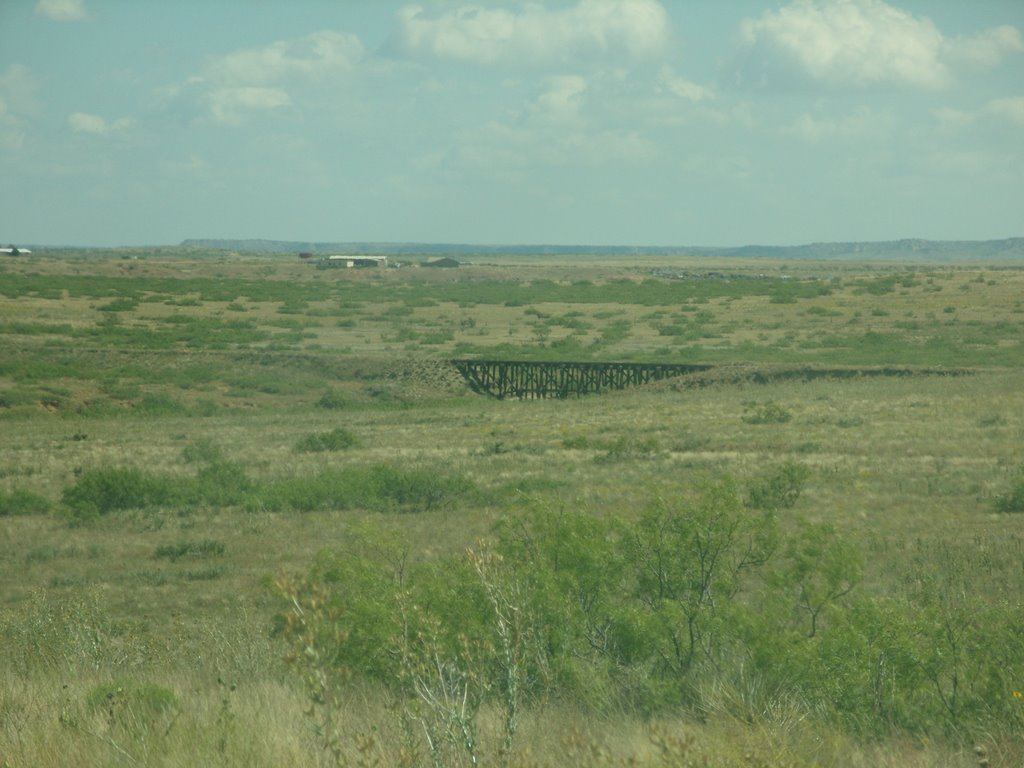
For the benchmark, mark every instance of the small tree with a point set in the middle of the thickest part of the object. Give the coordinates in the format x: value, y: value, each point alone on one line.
x: 780, y: 488
x: 312, y: 627
x: 821, y: 568
x: 690, y: 559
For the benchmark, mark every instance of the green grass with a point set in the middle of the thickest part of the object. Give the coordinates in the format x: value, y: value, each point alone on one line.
x: 164, y: 465
x: 338, y: 439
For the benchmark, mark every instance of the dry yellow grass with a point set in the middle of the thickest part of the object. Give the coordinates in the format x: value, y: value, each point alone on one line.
x: 899, y: 465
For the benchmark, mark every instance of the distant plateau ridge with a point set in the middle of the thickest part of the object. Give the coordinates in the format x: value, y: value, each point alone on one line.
x: 1009, y: 249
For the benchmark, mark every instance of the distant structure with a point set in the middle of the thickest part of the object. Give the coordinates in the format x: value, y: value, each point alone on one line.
x: 525, y: 380
x: 444, y: 263
x: 349, y: 262
x: 14, y: 250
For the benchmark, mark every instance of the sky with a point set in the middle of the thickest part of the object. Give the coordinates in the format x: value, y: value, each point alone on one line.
x: 597, y: 122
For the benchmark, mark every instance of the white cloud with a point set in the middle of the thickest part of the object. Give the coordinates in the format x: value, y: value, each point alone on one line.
x: 84, y: 122
x: 675, y: 102
x: 562, y: 98
x: 953, y: 119
x: 864, y: 43
x: 228, y: 104
x: 986, y: 49
x: 515, y: 153
x: 1010, y: 108
x: 858, y: 123
x: 572, y: 123
x: 17, y: 101
x: 12, y: 130
x: 683, y: 88
x: 535, y: 34
x: 17, y: 87
x: 318, y: 54
x: 859, y: 42
x: 259, y: 79
x: 61, y: 10
x: 609, y: 147
x: 189, y: 167
x: 973, y: 163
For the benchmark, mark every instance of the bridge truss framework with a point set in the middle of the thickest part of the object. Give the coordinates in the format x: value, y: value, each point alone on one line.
x: 538, y: 380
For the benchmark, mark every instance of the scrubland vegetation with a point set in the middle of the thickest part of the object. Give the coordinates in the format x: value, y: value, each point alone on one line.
x: 249, y: 516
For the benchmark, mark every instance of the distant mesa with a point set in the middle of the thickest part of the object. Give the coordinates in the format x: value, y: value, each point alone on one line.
x: 907, y: 250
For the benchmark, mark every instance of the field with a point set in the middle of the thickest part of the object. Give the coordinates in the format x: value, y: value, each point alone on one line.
x: 250, y: 516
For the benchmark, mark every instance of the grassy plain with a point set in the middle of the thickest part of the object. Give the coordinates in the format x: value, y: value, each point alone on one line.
x: 181, y: 428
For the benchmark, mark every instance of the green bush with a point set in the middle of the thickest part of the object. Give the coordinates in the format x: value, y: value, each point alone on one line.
x: 1013, y: 499
x: 110, y: 489
x: 332, y: 401
x: 697, y: 596
x: 120, y: 305
x: 99, y: 491
x: 412, y: 488
x: 780, y: 488
x: 381, y: 488
x: 219, y: 483
x: 160, y: 404
x: 204, y: 548
x: 769, y: 413
x: 693, y: 559
x: 577, y: 443
x: 622, y: 447
x: 223, y: 483
x: 625, y: 447
x: 21, y: 502
x: 819, y: 568
x: 202, y: 451
x: 337, y: 439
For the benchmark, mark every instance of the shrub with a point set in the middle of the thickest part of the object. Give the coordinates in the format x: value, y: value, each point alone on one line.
x: 331, y: 401
x: 19, y: 502
x: 577, y: 443
x: 769, y: 413
x: 695, y: 597
x: 205, y: 548
x: 99, y: 491
x: 380, y: 487
x: 219, y: 483
x: 202, y: 451
x: 780, y: 488
x: 821, y: 568
x: 160, y: 404
x: 1012, y: 500
x: 624, y: 447
x: 337, y: 439
x: 691, y: 561
x: 132, y: 704
x: 418, y: 489
x: 119, y: 305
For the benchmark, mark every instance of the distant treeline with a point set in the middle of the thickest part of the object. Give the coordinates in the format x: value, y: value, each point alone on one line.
x: 894, y: 250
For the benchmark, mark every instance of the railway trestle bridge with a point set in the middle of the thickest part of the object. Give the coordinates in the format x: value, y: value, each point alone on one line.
x: 538, y: 380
